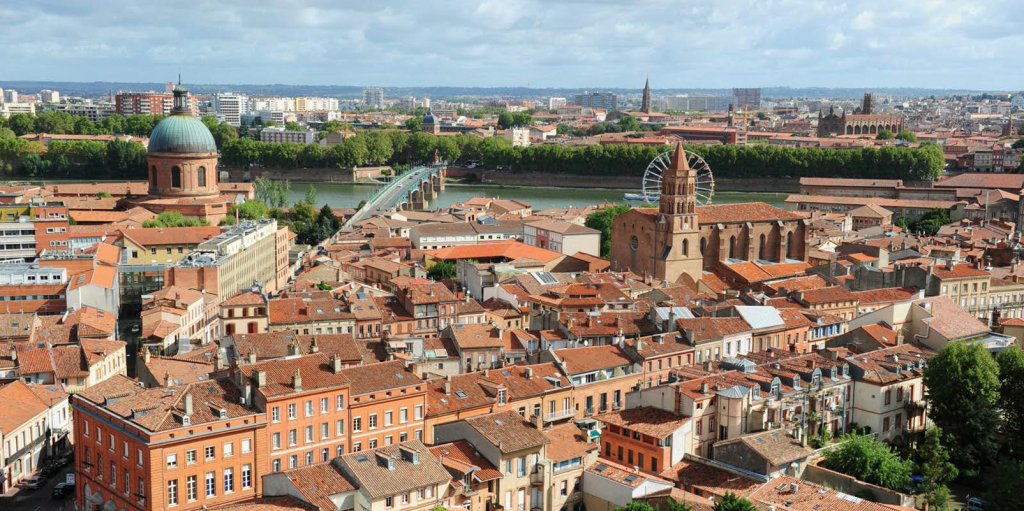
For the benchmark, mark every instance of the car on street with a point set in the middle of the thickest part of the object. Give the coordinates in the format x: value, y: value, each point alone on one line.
x: 135, y: 328
x: 63, y: 489
x: 33, y: 483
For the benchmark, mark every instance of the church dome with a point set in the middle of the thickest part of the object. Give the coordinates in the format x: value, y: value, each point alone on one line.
x: 428, y: 118
x: 181, y: 134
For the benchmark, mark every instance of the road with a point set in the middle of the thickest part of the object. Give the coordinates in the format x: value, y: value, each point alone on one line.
x: 41, y: 499
x: 396, y: 189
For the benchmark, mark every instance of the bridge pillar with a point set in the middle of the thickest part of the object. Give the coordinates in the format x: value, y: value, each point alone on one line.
x: 416, y: 200
x: 428, y: 189
x: 438, y: 179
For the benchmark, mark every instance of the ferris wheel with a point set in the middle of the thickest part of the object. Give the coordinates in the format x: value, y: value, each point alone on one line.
x: 652, y: 177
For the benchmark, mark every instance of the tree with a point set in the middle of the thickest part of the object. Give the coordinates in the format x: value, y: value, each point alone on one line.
x: 731, y: 502
x: 602, y: 221
x: 1011, y: 396
x: 675, y: 505
x: 102, y: 195
x: 22, y: 124
x: 248, y: 210
x: 870, y: 461
x: 1004, y: 485
x: 125, y: 159
x: 1019, y: 144
x: 963, y: 392
x: 906, y: 135
x: 293, y: 126
x: 312, y: 156
x: 935, y: 468
x: 175, y: 219
x: 274, y: 193
x: 629, y: 123
x: 310, y: 197
x: 441, y: 270
x: 636, y: 506
x: 412, y: 124
x: 222, y: 131
x: 885, y: 135
x: 269, y: 123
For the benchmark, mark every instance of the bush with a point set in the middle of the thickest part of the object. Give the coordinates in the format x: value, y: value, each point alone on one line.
x: 870, y: 461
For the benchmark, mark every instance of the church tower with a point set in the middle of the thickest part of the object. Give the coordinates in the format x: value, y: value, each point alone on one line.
x: 677, y: 231
x: 645, y: 103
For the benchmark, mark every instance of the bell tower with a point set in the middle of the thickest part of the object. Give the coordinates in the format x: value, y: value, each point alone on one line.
x: 677, y: 230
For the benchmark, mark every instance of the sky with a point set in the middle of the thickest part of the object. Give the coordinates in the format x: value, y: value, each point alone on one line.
x: 534, y: 43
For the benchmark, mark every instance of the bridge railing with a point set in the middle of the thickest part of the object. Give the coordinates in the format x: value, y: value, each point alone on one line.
x: 374, y: 202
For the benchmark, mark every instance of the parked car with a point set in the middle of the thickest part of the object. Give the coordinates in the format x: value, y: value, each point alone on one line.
x: 63, y: 489
x: 975, y: 503
x: 135, y: 328
x: 33, y: 483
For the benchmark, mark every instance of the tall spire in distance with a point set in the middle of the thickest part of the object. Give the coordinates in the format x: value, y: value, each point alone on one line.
x: 645, y: 102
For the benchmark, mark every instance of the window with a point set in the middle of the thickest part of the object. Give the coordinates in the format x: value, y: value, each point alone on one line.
x: 323, y: 405
x: 293, y: 437
x: 324, y: 431
x: 885, y: 424
x: 389, y: 502
x: 276, y: 441
x: 388, y: 440
x: 564, y: 488
x: 229, y: 480
x: 340, y: 427
x: 175, y: 177
x: 293, y: 461
x: 125, y: 454
x: 275, y: 414
x: 202, y: 176
x: 138, y: 452
x: 86, y: 429
x: 405, y: 498
x: 341, y: 450
x: 309, y: 434
x: 229, y: 449
x: 191, y: 488
x: 246, y: 445
x: 276, y: 465
x: 172, y: 492
x: 291, y: 411
x: 387, y: 418
x: 127, y: 482
x: 113, y: 474
x: 190, y: 456
x: 373, y: 421
x: 309, y: 408
x: 325, y: 454
x: 142, y: 488
x: 356, y: 447
x: 172, y: 461
x: 373, y: 443
x: 211, y: 484
x: 521, y: 466
x: 246, y: 477
x: 357, y: 424
x: 419, y: 412
x: 211, y: 452
x: 340, y: 402
x: 888, y: 398
x: 403, y: 415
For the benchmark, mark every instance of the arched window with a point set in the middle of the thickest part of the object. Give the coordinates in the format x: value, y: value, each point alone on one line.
x: 732, y: 247
x: 175, y: 177
x: 789, y: 243
x: 760, y: 248
x: 703, y: 245
x: 634, y: 243
x: 202, y: 176
x: 686, y: 247
x: 152, y: 177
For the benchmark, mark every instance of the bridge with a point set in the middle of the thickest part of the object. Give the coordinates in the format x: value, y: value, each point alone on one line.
x: 411, y: 190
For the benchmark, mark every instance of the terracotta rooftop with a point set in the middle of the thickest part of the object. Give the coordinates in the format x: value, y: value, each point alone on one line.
x: 318, y: 482
x: 648, y: 420
x: 508, y: 431
x: 369, y: 469
x: 592, y: 358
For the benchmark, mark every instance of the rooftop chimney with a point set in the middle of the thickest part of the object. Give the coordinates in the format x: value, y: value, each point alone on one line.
x: 252, y: 356
x: 336, y: 364
x: 188, y: 404
x: 528, y: 372
x: 167, y: 380
x: 314, y: 347
x: 297, y: 381
x: 261, y: 378
x: 704, y: 387
x: 448, y: 385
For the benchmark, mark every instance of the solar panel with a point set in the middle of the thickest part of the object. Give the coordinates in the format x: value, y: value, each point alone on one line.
x: 544, y: 277
x: 630, y: 478
x: 600, y: 468
x: 461, y: 394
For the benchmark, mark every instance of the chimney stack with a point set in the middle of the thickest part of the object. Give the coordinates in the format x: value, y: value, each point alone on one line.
x: 704, y: 387
x: 167, y: 380
x: 448, y: 385
x: 528, y: 372
x: 314, y: 347
x: 252, y: 357
x: 261, y: 378
x: 297, y: 381
x: 145, y: 354
x: 336, y: 364
x: 188, y: 404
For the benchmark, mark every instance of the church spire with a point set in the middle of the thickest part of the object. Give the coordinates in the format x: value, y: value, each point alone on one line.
x: 645, y: 102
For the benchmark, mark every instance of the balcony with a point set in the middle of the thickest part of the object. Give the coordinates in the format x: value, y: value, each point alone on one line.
x: 915, y: 406
x: 559, y: 415
x: 537, y: 477
x: 589, y: 410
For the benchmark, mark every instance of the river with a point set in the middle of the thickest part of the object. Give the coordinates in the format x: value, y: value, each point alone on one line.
x: 349, y: 195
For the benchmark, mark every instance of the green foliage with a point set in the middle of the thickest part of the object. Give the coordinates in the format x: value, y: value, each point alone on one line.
x: 1005, y: 485
x: 323, y: 286
x: 248, y: 210
x: 963, y: 392
x: 602, y: 221
x: 441, y: 270
x: 871, y: 461
x: 629, y: 123
x: 221, y: 131
x: 885, y: 135
x: 935, y: 468
x: 310, y: 197
x: 293, y: 126
x: 102, y: 195
x: 175, y: 219
x: 731, y: 502
x: 507, y: 120
x: 274, y: 193
x: 906, y: 135
x: 413, y: 123
x: 928, y: 224
x: 269, y: 123
x: 1011, y: 396
x: 1019, y: 144
x: 675, y: 505
x: 636, y: 506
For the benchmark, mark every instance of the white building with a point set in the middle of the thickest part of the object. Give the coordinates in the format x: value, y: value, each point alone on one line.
x: 232, y: 106
x: 272, y: 104
x: 554, y: 103
x: 279, y: 134
x: 408, y: 102
x: 95, y: 112
x: 49, y: 96
x: 25, y: 430
x: 10, y: 96
x: 373, y: 96
x: 519, y: 137
x: 9, y: 109
x: 315, y: 104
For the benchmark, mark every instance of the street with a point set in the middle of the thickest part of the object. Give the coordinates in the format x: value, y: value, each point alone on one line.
x: 41, y: 499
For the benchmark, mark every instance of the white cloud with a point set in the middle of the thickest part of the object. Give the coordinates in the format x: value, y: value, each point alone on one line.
x: 561, y: 43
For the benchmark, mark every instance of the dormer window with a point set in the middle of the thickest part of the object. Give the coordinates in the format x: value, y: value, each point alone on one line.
x: 776, y: 390
x: 186, y: 420
x: 846, y: 370
x: 833, y: 374
x: 391, y: 464
x: 223, y: 413
x: 501, y: 397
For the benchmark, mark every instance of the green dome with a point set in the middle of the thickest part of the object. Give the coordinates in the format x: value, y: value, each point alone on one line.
x: 181, y: 134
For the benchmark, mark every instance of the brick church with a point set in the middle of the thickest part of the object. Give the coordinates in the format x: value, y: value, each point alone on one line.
x: 863, y: 121
x: 681, y: 238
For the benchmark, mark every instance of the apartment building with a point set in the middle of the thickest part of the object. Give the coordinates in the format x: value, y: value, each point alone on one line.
x: 281, y: 134
x: 471, y: 472
x: 512, y: 444
x: 646, y: 437
x: 244, y: 312
x: 600, y: 375
x: 305, y: 402
x: 29, y: 287
x: 570, y: 452
x: 247, y: 253
x: 232, y: 106
x: 164, y: 448
x: 163, y: 245
x: 889, y: 391
x: 562, y: 237
x: 387, y: 405
x: 400, y: 477
x: 32, y: 427
x: 310, y: 316
x: 479, y: 346
x: 150, y: 103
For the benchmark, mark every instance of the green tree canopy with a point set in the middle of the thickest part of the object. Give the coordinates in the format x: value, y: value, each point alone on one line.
x: 310, y: 197
x: 1011, y: 396
x: 871, y: 461
x: 413, y: 123
x: 293, y: 126
x: 175, y: 219
x: 935, y: 469
x: 441, y: 270
x: 885, y: 135
x: 906, y: 135
x: 602, y: 221
x: 629, y: 123
x: 962, y: 382
x: 732, y: 502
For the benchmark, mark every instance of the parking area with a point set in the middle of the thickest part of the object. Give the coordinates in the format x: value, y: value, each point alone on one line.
x: 40, y: 499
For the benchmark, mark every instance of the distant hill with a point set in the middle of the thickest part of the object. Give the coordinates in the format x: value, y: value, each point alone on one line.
x: 97, y: 89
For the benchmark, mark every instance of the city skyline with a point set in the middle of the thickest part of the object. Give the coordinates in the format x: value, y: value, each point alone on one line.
x: 521, y: 43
